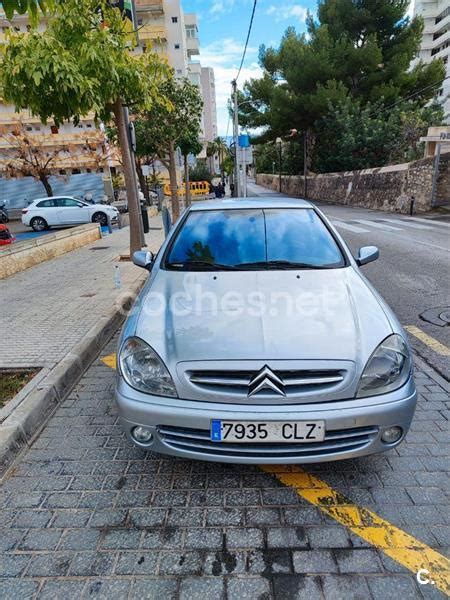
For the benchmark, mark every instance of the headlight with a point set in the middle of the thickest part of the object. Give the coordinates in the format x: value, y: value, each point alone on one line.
x: 143, y: 370
x: 387, y: 369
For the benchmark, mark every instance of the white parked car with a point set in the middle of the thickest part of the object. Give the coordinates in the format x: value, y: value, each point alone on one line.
x: 57, y: 211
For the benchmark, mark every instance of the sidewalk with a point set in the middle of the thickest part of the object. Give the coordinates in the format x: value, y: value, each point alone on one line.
x: 47, y: 309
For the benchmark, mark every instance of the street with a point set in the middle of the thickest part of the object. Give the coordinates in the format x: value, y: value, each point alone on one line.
x: 84, y: 513
x: 412, y: 273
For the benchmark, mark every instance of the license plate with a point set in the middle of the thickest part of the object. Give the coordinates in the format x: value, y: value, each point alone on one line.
x: 263, y: 432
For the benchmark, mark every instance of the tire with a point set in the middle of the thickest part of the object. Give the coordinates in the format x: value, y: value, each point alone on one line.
x: 39, y: 224
x: 100, y: 217
x: 4, y: 218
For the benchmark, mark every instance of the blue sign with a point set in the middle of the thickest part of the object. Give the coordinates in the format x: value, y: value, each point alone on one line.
x: 244, y: 141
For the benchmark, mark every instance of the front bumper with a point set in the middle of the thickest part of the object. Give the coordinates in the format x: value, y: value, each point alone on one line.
x: 181, y: 427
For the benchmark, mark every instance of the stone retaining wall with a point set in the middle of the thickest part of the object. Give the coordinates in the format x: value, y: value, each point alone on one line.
x: 388, y: 188
x: 26, y: 254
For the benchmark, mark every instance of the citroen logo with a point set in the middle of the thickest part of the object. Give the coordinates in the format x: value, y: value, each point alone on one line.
x: 266, y: 380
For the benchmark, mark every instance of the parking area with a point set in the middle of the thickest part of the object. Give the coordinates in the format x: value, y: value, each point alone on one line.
x: 84, y: 513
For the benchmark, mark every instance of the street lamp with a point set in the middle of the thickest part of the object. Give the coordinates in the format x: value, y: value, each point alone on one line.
x: 279, y: 141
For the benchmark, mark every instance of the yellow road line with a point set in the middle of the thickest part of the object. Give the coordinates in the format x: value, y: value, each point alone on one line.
x: 428, y: 340
x: 398, y: 545
x: 110, y: 361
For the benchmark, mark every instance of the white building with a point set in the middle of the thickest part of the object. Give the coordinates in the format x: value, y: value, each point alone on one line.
x: 210, y: 110
x: 436, y: 40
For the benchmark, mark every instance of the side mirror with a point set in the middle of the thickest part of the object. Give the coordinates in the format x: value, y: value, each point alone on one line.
x: 143, y: 259
x: 367, y: 254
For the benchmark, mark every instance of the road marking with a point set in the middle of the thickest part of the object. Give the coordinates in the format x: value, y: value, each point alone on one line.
x: 429, y: 221
x: 350, y: 227
x: 405, y: 223
x: 428, y: 340
x: 395, y: 543
x: 377, y: 225
x: 110, y: 361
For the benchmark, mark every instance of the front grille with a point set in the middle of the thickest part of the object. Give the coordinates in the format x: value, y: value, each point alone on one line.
x: 198, y: 441
x: 294, y: 381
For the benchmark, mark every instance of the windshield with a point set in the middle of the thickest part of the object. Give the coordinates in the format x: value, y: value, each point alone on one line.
x: 254, y: 239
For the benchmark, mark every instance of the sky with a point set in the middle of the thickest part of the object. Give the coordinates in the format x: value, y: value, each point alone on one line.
x: 223, y: 26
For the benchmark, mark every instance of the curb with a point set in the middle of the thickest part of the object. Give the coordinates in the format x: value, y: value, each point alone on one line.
x: 18, y: 430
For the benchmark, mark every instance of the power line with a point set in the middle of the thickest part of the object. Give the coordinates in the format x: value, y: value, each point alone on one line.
x: 247, y: 40
x: 413, y: 95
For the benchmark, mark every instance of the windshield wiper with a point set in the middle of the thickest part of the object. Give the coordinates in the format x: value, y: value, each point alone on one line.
x: 281, y: 264
x: 201, y: 265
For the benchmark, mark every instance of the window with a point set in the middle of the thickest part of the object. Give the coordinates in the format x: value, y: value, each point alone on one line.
x: 252, y: 239
x: 68, y: 203
x: 46, y: 204
x: 54, y: 129
x: 174, y: 19
x: 191, y: 31
x: 177, y: 46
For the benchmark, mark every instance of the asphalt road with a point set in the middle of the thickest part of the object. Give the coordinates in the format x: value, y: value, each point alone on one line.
x: 412, y: 273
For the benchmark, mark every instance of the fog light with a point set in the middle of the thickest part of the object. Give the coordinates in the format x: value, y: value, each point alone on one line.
x: 391, y: 435
x: 142, y: 435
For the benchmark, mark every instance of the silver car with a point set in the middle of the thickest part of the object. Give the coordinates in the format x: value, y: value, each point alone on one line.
x: 256, y: 339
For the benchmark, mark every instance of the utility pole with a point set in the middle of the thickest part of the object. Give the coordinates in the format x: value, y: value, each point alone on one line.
x: 305, y: 162
x: 236, y: 140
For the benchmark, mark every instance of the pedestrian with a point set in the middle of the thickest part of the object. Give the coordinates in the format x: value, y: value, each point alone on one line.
x: 232, y: 189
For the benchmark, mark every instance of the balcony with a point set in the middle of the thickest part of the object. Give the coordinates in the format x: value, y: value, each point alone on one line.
x: 155, y: 7
x: 193, y: 46
x: 152, y: 32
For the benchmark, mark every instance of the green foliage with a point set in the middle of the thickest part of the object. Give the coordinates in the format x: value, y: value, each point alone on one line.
x: 355, y: 137
x: 200, y: 172
x: 33, y: 7
x: 79, y: 64
x: 356, y: 53
x: 177, y: 122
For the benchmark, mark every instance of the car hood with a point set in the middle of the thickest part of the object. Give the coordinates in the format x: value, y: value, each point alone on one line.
x: 265, y: 315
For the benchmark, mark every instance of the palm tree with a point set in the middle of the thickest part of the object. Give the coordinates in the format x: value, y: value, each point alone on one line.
x: 217, y: 147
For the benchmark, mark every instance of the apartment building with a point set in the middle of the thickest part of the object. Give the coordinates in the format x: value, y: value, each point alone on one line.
x: 436, y: 40
x: 82, y: 157
x: 166, y: 29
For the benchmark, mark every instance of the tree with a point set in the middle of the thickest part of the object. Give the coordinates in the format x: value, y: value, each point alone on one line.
x: 357, y: 50
x: 36, y: 155
x: 165, y: 126
x: 189, y: 144
x: 81, y: 64
x: 220, y: 148
x: 358, y: 137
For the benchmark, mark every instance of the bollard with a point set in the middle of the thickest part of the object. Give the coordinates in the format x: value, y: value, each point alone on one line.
x: 108, y: 219
x: 411, y: 206
x: 167, y: 221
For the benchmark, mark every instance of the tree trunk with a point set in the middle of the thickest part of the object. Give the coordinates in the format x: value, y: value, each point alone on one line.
x: 142, y: 180
x: 130, y: 181
x: 46, y: 183
x: 173, y: 183
x: 186, y: 181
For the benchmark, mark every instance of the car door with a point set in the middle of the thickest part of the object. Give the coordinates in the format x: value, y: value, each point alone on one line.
x: 47, y: 210
x: 71, y: 211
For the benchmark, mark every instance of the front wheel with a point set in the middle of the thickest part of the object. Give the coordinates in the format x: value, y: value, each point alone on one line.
x: 4, y: 218
x: 101, y: 218
x: 39, y: 224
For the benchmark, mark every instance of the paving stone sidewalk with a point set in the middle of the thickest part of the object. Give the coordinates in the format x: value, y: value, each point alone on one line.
x: 47, y: 309
x: 83, y: 513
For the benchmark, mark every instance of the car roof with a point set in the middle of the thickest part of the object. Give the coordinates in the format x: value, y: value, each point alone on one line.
x: 52, y: 198
x: 248, y: 203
